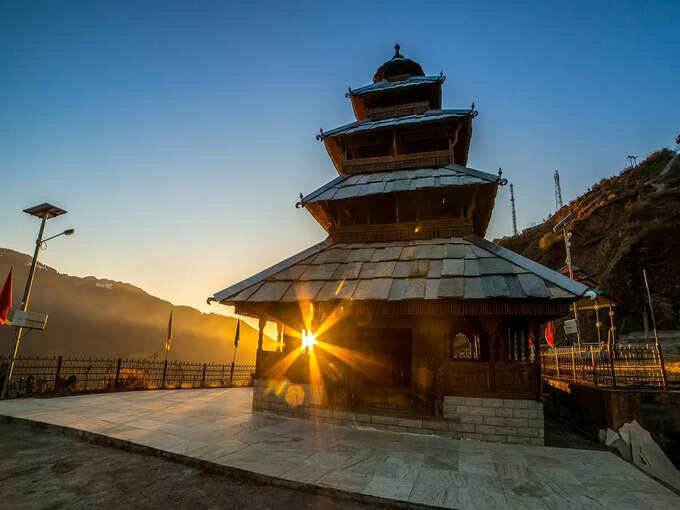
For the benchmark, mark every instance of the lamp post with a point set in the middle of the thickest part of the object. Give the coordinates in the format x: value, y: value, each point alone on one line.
x: 567, y: 244
x: 44, y: 212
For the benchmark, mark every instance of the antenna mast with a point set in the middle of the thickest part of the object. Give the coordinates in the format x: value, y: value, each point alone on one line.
x: 514, y: 214
x: 558, y: 191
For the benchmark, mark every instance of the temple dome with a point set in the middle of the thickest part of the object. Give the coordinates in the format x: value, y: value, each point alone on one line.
x: 397, y: 66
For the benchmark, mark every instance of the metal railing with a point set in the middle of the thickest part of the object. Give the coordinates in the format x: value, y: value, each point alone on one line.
x: 617, y: 367
x: 63, y: 375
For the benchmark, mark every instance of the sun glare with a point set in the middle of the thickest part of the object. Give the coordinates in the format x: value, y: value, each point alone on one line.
x: 308, y: 340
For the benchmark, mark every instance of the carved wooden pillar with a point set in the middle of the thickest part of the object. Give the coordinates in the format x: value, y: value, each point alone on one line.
x: 262, y: 322
x: 495, y: 342
x: 492, y: 327
x: 259, y: 361
x: 535, y: 330
x: 279, y: 335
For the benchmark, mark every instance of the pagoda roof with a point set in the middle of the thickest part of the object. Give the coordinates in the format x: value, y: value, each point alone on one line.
x: 388, y: 85
x: 468, y: 268
x: 369, y: 125
x: 359, y: 185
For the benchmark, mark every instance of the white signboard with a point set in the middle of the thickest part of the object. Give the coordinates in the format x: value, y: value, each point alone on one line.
x: 30, y: 320
x: 570, y: 327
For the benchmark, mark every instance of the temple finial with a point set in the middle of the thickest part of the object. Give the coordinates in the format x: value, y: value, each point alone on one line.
x: 396, y: 51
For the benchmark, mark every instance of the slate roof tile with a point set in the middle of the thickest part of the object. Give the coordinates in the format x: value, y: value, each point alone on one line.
x: 348, y: 271
x: 302, y: 291
x: 375, y: 289
x: 359, y: 185
x: 453, y: 268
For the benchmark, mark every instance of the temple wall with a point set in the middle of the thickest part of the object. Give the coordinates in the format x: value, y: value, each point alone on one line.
x: 429, y: 351
x: 500, y: 420
x: 494, y: 420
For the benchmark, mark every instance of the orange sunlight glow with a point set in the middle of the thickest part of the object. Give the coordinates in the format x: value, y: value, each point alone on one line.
x: 316, y: 386
x: 308, y: 341
x: 282, y: 366
x: 352, y: 358
x: 292, y: 393
x: 342, y: 282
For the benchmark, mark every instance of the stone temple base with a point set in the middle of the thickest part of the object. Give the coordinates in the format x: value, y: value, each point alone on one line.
x: 501, y: 420
x: 463, y: 419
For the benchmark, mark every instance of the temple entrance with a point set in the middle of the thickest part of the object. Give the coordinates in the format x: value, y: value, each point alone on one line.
x: 399, y: 341
x: 387, y: 384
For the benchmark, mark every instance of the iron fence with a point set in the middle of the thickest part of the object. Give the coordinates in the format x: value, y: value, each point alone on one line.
x: 59, y: 374
x: 620, y: 366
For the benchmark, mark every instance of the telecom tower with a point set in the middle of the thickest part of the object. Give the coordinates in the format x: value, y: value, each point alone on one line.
x: 558, y: 191
x: 514, y: 214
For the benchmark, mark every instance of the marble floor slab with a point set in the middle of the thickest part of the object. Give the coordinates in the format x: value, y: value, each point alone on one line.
x: 218, y: 425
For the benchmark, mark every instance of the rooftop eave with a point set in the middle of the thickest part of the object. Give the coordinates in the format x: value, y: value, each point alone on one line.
x: 483, y: 178
x: 389, y: 85
x: 431, y: 116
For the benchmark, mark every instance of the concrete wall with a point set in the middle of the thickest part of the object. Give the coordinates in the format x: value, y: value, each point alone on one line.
x: 592, y: 409
x: 498, y: 419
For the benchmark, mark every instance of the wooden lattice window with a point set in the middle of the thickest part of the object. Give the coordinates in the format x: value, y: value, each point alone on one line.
x: 464, y: 346
x: 517, y: 342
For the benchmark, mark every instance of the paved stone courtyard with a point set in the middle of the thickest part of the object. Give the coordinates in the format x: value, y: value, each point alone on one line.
x: 217, y: 425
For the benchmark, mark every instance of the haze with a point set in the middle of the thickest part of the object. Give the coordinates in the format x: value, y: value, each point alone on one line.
x: 179, y: 135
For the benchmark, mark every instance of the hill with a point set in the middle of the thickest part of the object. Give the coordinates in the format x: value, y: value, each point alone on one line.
x: 622, y: 224
x: 105, y: 318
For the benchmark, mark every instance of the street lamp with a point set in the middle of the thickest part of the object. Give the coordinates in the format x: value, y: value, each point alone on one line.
x: 67, y: 232
x: 567, y: 244
x: 44, y: 212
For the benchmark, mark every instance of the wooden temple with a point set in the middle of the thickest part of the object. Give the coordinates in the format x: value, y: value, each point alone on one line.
x: 405, y: 308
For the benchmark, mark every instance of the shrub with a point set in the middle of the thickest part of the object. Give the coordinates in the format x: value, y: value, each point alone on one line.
x: 548, y: 240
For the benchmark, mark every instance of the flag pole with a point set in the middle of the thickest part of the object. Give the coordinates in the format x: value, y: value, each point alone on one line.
x: 659, y: 352
x: 166, y: 346
x: 233, y: 359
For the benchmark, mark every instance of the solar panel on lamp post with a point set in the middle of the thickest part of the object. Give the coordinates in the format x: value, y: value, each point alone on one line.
x: 44, y: 212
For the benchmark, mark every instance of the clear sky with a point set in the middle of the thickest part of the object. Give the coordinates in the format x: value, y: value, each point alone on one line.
x: 178, y: 135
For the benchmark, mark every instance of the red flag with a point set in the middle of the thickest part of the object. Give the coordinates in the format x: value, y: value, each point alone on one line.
x: 6, y: 298
x: 550, y: 334
x: 531, y: 336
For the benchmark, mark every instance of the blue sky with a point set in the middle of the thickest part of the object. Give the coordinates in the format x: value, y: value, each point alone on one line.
x: 179, y: 135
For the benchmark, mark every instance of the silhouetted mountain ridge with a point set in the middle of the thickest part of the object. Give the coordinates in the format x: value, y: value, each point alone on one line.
x: 90, y: 316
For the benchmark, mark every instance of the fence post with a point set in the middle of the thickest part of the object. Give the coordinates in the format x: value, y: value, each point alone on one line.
x: 573, y: 362
x: 662, y: 365
x: 557, y: 362
x: 611, y: 364
x: 165, y: 368
x: 203, y: 376
x: 592, y: 359
x: 56, y: 376
x: 117, y: 372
